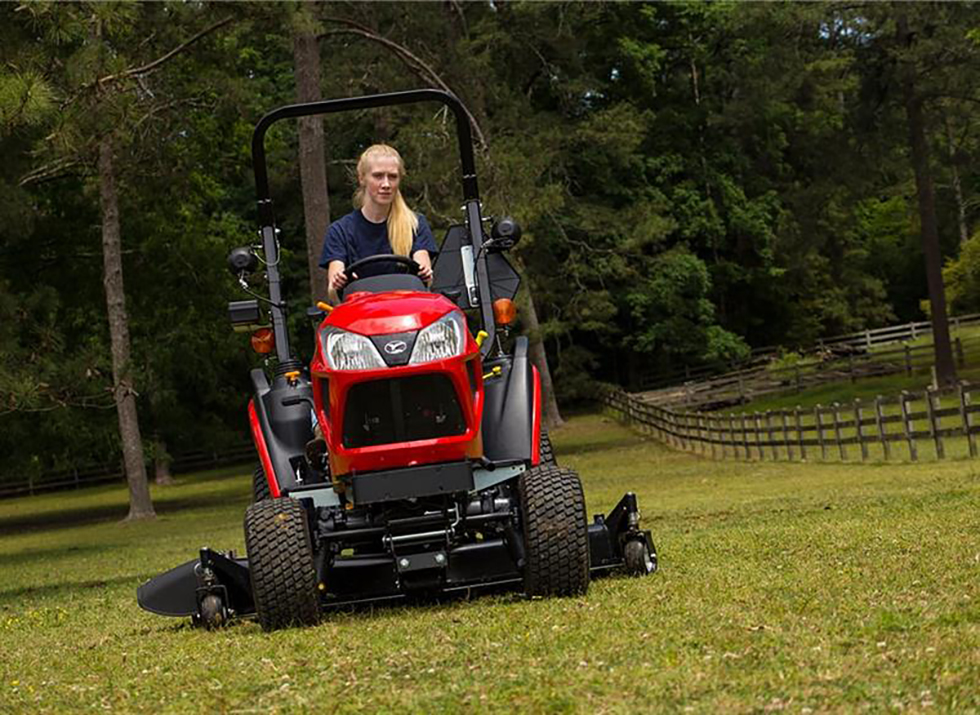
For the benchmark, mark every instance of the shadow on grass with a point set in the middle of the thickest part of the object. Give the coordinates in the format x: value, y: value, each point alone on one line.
x: 624, y: 442
x: 15, y: 596
x: 85, y: 516
x: 55, y: 553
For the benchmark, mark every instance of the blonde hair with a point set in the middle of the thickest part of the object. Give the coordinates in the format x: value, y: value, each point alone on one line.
x: 402, y: 221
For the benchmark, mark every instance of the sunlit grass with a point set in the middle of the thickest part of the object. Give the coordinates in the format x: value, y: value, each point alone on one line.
x: 820, y: 587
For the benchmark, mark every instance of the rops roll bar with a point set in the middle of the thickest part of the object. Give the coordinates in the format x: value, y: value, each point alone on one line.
x: 471, y: 195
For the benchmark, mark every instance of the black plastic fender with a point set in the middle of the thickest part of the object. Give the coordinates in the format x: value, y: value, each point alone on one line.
x: 285, y: 428
x: 508, y: 411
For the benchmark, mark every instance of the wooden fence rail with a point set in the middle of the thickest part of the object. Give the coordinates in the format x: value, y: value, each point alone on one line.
x: 741, y: 386
x: 863, y: 339
x: 100, y: 474
x: 902, y: 427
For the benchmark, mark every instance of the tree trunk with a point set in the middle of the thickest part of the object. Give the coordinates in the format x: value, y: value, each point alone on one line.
x: 945, y: 367
x: 161, y: 463
x: 550, y: 414
x: 957, y: 184
x: 312, y: 157
x: 140, y: 506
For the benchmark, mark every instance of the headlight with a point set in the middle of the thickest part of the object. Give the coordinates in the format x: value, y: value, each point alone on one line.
x: 349, y: 351
x: 445, y: 338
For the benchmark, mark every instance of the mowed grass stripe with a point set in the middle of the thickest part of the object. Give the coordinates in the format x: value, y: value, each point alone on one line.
x: 825, y: 587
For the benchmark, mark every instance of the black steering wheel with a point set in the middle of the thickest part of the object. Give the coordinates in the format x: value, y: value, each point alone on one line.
x: 410, y: 266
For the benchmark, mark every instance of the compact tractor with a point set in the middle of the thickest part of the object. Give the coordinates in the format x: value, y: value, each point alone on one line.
x: 409, y: 456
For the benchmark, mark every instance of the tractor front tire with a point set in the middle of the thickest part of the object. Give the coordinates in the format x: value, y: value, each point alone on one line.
x: 260, y: 486
x: 556, y: 533
x: 547, y: 453
x: 277, y: 537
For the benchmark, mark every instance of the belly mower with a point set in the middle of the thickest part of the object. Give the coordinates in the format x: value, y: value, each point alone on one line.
x: 427, y: 469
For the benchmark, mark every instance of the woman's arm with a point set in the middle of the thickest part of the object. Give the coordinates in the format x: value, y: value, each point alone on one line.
x: 425, y: 264
x: 336, y: 279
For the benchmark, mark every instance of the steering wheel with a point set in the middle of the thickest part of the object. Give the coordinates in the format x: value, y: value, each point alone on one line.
x: 411, y: 267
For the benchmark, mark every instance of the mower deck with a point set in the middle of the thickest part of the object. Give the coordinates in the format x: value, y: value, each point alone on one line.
x: 217, y: 586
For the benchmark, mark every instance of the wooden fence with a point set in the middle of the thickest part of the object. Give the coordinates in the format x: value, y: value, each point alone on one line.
x: 910, y: 426
x: 741, y: 386
x: 863, y: 339
x: 90, y: 475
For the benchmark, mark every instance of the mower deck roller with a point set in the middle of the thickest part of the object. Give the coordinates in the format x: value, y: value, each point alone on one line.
x: 429, y: 470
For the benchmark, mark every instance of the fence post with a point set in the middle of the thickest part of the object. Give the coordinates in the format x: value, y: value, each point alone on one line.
x: 786, y: 442
x: 817, y: 412
x: 850, y: 368
x: 935, y: 427
x: 965, y: 417
x: 745, y: 438
x: 960, y: 357
x: 859, y: 429
x: 799, y: 432
x: 837, y: 434
x: 913, y: 331
x: 880, y: 424
x: 908, y: 427
x: 867, y: 338
x: 731, y: 434
x: 908, y: 359
x: 772, y: 441
x: 757, y: 423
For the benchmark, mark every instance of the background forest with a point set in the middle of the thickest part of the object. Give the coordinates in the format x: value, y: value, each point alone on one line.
x: 693, y: 180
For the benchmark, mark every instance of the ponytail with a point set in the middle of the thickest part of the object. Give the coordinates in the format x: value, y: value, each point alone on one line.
x: 402, y: 221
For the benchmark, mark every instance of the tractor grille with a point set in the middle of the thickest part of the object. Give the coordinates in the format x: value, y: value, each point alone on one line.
x: 400, y: 410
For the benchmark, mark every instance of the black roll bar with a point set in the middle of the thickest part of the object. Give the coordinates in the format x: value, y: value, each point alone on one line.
x: 471, y: 194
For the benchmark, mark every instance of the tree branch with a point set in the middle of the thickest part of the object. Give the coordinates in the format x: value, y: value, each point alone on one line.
x: 417, y: 64
x: 147, y: 68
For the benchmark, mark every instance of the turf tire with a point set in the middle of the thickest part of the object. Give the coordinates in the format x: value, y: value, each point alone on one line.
x: 277, y: 538
x: 547, y: 453
x: 260, y: 485
x: 556, y: 536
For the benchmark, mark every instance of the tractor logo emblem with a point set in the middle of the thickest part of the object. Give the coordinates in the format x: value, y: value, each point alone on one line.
x: 395, y: 347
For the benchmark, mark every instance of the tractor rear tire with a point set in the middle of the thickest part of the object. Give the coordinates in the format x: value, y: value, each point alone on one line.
x: 280, y: 556
x: 547, y: 453
x: 556, y: 533
x: 260, y: 486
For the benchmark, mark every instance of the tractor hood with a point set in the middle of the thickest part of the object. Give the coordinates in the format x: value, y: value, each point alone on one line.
x: 391, y: 312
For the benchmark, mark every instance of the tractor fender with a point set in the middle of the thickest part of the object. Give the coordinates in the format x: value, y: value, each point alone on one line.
x: 511, y: 409
x: 281, y: 431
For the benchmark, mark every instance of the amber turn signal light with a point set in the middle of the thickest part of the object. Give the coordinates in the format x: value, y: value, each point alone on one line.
x: 263, y: 341
x: 504, y: 311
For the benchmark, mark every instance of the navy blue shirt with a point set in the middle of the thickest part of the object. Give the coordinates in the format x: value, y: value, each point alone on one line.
x: 354, y: 237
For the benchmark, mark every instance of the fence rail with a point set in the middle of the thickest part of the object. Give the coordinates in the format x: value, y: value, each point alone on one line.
x: 741, y: 386
x: 862, y: 339
x: 91, y: 475
x: 903, y: 427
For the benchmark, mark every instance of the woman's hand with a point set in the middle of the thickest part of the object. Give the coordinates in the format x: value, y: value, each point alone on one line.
x: 425, y: 265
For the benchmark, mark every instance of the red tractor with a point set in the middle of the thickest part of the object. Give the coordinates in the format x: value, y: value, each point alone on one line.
x: 426, y: 468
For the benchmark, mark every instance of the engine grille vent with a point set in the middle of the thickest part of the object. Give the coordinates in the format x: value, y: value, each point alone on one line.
x: 400, y: 410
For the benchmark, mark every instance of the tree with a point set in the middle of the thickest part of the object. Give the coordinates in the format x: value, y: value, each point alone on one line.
x: 312, y: 151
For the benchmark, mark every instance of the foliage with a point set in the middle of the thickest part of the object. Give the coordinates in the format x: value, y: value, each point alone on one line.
x: 693, y: 179
x: 962, y: 278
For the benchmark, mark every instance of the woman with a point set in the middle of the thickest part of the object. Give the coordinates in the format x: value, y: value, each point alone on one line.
x: 381, y: 223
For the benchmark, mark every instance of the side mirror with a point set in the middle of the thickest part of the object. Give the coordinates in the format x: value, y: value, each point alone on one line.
x: 504, y: 235
x: 242, y: 260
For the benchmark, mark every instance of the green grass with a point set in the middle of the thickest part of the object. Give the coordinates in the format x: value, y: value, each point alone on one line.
x: 804, y: 587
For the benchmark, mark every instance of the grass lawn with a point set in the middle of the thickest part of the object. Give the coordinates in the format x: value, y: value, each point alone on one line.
x: 797, y: 587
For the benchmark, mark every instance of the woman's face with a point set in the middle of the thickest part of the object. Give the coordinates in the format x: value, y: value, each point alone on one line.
x: 380, y: 182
